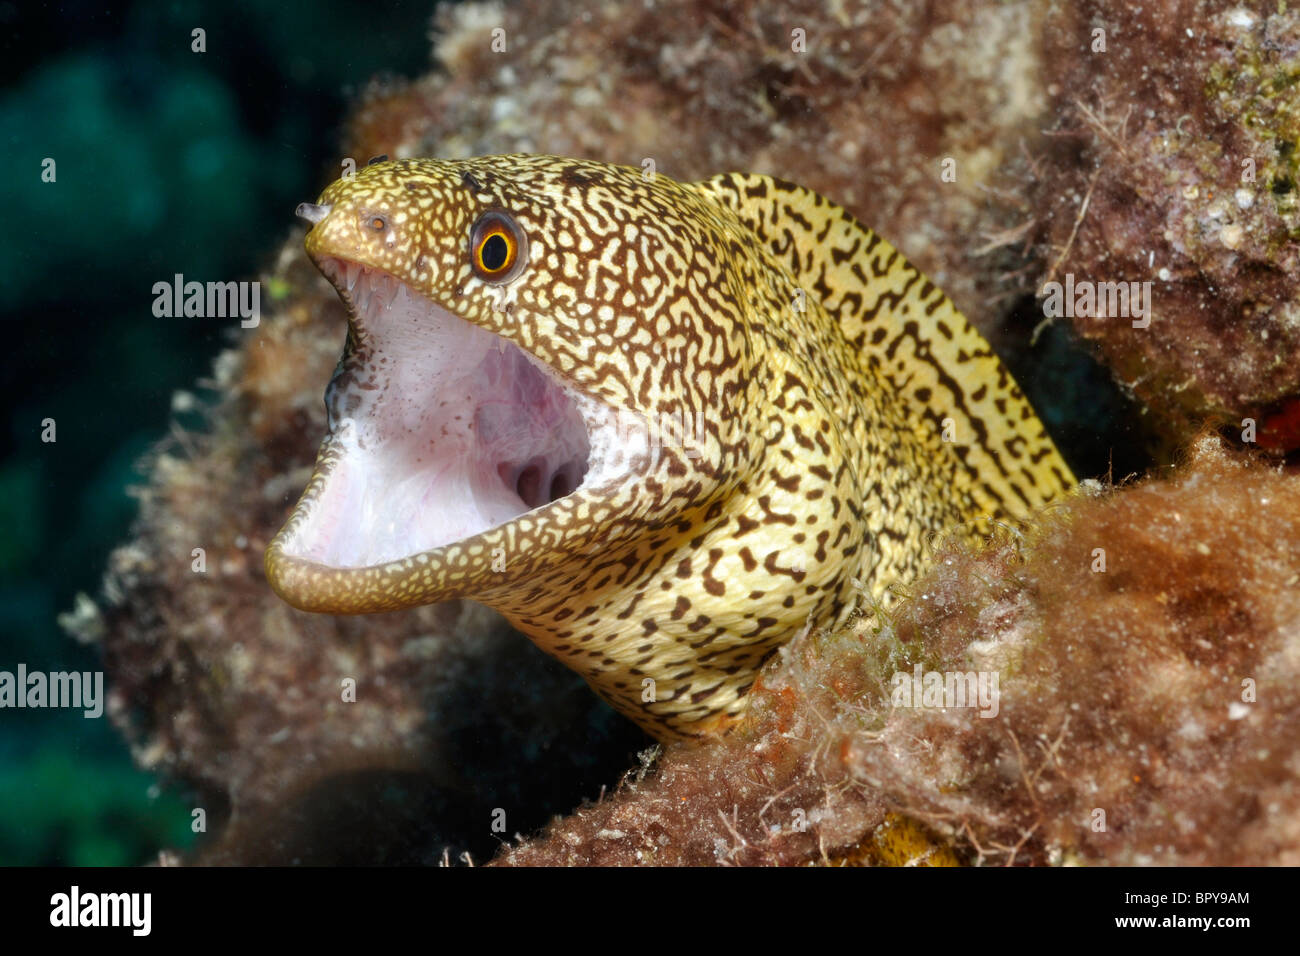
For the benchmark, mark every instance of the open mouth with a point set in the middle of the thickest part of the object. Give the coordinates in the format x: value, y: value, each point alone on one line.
x: 439, y: 430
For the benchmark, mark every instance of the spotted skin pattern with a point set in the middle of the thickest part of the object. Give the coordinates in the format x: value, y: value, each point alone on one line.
x: 840, y: 411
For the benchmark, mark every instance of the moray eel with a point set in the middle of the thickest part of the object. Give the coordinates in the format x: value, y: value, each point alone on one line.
x: 661, y: 427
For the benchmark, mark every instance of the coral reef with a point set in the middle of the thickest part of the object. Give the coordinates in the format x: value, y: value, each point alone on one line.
x: 1124, y: 731
x: 877, y: 97
x: 1120, y: 690
x: 1175, y: 163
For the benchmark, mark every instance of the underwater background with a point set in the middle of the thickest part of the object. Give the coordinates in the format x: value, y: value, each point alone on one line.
x: 1093, y: 139
x: 167, y: 161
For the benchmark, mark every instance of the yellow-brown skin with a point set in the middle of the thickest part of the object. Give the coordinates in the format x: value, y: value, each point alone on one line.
x: 843, y: 413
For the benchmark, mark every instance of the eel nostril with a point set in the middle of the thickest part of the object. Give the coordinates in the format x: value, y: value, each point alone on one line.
x: 311, y: 212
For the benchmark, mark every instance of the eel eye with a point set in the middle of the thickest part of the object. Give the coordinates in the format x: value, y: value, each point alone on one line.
x: 378, y: 223
x: 497, y: 247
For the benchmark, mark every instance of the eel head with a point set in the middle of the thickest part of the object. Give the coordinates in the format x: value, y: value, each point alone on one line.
x: 484, y: 426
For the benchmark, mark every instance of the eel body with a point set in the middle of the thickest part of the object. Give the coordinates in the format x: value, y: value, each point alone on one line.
x: 661, y: 426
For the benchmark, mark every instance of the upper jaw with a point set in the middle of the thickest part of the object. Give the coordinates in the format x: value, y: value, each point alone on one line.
x: 440, y: 432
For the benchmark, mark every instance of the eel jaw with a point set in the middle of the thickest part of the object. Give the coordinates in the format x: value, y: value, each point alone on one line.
x: 440, y: 433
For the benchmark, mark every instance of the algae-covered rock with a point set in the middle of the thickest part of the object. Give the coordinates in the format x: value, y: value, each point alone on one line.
x: 1175, y: 165
x: 1143, y: 649
x: 997, y: 150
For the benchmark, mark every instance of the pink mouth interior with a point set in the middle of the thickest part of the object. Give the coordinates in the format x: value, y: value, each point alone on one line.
x: 443, y: 430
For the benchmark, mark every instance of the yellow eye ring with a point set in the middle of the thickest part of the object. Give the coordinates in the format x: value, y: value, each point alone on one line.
x: 498, y: 247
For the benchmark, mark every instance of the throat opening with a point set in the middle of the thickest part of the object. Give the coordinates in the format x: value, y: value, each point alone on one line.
x: 439, y: 430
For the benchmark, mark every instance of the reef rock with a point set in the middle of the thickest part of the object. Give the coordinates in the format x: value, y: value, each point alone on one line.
x: 1175, y: 127
x: 997, y: 150
x: 1146, y: 647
